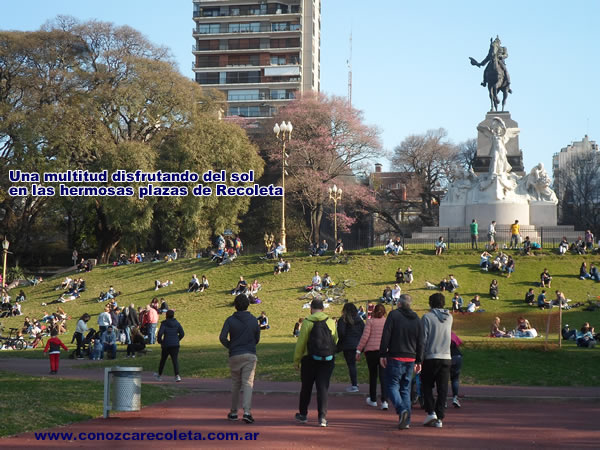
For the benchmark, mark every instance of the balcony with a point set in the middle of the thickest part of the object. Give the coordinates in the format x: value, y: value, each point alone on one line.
x: 262, y: 28
x: 246, y: 10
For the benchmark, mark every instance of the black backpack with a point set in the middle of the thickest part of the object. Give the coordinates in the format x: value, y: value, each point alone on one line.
x: 320, y: 340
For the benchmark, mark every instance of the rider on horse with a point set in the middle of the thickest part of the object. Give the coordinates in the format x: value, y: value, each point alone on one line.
x: 500, y: 53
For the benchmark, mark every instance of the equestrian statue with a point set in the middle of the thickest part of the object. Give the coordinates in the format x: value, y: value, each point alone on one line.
x: 495, y: 75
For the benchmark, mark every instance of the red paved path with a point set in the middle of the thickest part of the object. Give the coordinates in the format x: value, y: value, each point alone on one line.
x: 479, y: 424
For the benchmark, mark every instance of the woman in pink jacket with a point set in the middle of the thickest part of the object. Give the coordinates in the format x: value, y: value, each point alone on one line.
x: 369, y: 343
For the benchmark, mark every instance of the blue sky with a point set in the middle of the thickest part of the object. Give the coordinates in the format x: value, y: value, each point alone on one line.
x: 410, y: 61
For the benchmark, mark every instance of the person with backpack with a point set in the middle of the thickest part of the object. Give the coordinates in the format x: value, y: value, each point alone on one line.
x: 315, y: 357
x: 244, y: 333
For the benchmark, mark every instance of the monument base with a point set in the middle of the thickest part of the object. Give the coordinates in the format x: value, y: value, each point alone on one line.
x: 484, y: 213
x: 543, y: 214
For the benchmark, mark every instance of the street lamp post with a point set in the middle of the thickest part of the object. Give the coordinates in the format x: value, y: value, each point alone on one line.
x: 283, y: 133
x: 335, y: 194
x: 5, y: 245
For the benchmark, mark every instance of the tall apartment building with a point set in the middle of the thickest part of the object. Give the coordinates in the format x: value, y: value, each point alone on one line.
x: 562, y: 160
x: 261, y: 54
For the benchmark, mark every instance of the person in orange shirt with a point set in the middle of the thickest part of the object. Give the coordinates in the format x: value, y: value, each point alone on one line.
x: 54, y: 344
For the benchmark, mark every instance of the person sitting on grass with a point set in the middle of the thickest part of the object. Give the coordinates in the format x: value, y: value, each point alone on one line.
x: 524, y: 329
x: 316, y: 282
x: 578, y: 247
x: 68, y: 297
x: 583, y: 273
x: 561, y: 301
x: 137, y: 343
x: 399, y: 276
x: 445, y: 285
x: 585, y: 336
x: 496, y: 332
x: 494, y: 289
x: 254, y: 287
x: 396, y: 292
x: 485, y: 261
x: 457, y: 303
x: 474, y: 304
x: 158, y: 284
x: 542, y: 301
x: 322, y: 248
x: 563, y: 246
x: 530, y: 297
x: 327, y: 282
x: 509, y: 267
x: 280, y: 267
x: 545, y: 279
x: 241, y: 287
x: 527, y: 246
x: 389, y: 248
x: 204, y: 283
x: 279, y: 250
x: 21, y: 297
x: 408, y: 275
x: 440, y: 246
x: 398, y: 246
x: 453, y: 281
x: 387, y: 295
x: 263, y: 321
x: 194, y: 284
x: 594, y: 274
x: 339, y: 247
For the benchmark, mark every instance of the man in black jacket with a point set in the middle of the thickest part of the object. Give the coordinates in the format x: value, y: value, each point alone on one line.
x: 244, y: 333
x: 169, y: 335
x: 401, y: 353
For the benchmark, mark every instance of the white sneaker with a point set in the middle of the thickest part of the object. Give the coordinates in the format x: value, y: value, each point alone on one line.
x: 455, y: 401
x: 430, y: 420
x: 178, y: 378
x: 384, y: 406
x: 352, y: 389
x: 437, y: 424
x: 371, y: 403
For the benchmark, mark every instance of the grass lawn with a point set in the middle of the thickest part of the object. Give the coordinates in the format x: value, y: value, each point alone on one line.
x: 487, y: 361
x: 44, y: 404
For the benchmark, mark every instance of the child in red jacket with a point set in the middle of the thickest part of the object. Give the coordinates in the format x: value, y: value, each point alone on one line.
x: 54, y: 344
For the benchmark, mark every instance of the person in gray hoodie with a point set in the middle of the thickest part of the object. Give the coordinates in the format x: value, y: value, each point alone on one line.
x: 169, y: 335
x: 437, y: 329
x: 244, y: 333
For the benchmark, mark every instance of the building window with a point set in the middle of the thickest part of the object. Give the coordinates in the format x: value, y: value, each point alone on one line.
x: 277, y: 60
x: 211, y: 28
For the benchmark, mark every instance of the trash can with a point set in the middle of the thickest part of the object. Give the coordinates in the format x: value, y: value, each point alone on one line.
x: 122, y: 389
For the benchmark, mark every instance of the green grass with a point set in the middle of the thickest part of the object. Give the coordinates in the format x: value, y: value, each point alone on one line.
x: 202, y: 314
x: 33, y: 403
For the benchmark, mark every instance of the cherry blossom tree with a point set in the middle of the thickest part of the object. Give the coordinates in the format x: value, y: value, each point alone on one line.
x: 330, y: 144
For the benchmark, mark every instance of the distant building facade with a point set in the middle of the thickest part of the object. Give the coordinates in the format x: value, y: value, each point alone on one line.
x: 260, y: 54
x: 562, y: 160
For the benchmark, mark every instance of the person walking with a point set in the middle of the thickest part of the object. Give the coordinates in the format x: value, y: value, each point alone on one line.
x: 315, y: 357
x: 437, y: 326
x: 401, y: 353
x: 370, y: 342
x: 456, y: 354
x: 350, y: 329
x: 244, y: 333
x: 54, y: 344
x: 474, y: 227
x: 169, y: 335
x: 74, y: 257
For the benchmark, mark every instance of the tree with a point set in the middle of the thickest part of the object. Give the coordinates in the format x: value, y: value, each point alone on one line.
x: 431, y: 157
x: 467, y: 153
x: 330, y: 144
x: 578, y: 190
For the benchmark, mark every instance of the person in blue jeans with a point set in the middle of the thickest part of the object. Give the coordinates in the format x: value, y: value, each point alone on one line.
x: 401, y: 353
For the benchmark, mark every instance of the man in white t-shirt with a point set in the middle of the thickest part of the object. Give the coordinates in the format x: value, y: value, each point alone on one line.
x: 316, y: 282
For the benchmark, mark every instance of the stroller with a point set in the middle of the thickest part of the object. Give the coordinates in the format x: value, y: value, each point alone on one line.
x: 85, y: 345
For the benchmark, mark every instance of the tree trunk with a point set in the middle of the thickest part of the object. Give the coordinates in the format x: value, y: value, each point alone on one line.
x: 108, y: 238
x: 316, y: 214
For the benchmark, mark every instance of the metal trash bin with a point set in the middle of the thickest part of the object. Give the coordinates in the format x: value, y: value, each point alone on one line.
x: 122, y: 391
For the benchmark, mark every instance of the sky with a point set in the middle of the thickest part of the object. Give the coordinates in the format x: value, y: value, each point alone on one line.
x: 410, y: 60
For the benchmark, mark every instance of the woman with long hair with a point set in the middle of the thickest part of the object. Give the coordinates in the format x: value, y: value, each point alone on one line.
x: 369, y: 343
x: 350, y: 329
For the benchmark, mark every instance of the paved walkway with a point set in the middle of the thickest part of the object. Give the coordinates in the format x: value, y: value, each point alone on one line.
x: 73, y: 369
x: 491, y: 417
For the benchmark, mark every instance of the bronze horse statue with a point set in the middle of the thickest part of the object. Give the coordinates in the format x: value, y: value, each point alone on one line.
x: 495, y: 75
